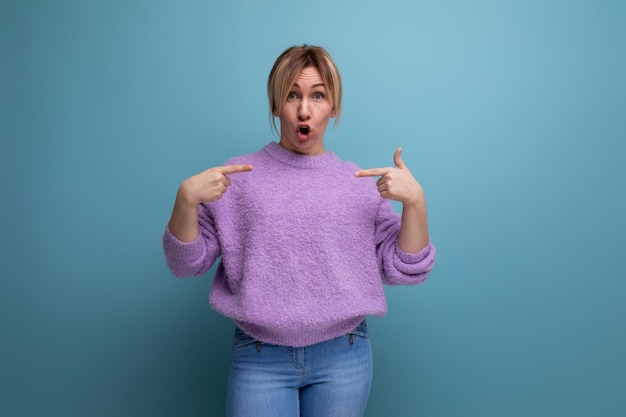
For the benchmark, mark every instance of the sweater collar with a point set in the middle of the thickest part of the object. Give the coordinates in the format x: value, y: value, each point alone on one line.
x: 300, y: 161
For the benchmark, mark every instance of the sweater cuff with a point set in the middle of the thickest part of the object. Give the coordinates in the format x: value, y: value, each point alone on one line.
x: 176, y: 249
x: 413, y: 258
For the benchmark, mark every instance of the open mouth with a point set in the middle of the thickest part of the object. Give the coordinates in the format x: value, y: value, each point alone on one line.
x: 304, y: 132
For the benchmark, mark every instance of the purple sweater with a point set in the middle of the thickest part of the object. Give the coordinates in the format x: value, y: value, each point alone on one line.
x: 305, y: 248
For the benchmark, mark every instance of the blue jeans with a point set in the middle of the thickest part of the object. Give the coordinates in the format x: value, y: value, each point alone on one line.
x: 327, y: 379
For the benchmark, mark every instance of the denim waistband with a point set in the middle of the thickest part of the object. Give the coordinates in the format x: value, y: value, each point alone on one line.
x: 360, y: 330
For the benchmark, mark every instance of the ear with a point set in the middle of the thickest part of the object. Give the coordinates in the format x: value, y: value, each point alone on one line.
x: 333, y: 113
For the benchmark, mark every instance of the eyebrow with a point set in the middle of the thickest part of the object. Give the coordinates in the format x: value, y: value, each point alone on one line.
x: 313, y: 86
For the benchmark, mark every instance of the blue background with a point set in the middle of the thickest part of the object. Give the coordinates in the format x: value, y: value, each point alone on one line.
x: 511, y: 114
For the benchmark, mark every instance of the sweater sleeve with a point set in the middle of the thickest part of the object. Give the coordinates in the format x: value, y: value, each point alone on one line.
x: 399, y: 267
x: 193, y: 258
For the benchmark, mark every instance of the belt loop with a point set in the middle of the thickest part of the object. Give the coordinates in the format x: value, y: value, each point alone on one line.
x: 351, y: 339
x: 258, y: 346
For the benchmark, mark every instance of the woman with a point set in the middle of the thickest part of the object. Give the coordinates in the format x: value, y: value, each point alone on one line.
x: 306, y: 242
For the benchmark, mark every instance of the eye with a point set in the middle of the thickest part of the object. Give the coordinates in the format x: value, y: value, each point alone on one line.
x: 318, y: 96
x: 292, y: 96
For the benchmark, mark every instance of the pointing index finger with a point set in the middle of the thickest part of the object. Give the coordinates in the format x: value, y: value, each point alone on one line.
x: 373, y: 172
x: 234, y: 169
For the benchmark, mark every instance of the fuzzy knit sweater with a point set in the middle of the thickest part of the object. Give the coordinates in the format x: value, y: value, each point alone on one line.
x: 305, y: 248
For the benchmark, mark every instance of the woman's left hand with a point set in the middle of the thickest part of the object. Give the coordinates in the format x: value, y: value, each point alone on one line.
x: 396, y: 183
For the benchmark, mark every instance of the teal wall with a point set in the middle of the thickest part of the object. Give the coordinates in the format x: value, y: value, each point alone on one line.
x: 511, y: 114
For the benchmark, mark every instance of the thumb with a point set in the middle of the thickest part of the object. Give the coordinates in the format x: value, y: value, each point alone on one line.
x: 397, y: 159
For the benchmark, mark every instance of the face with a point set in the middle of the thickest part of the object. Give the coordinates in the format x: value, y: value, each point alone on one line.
x: 305, y: 114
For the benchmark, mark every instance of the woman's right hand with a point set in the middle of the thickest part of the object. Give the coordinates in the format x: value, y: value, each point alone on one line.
x: 209, y: 185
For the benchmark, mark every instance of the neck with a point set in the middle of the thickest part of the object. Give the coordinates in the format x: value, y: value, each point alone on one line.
x: 305, y: 150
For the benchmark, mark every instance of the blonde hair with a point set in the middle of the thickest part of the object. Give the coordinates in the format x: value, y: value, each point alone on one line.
x: 286, y: 70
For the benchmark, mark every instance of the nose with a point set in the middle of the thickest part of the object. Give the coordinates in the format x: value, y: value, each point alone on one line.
x: 304, y: 113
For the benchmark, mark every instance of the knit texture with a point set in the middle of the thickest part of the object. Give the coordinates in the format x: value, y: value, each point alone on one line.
x: 305, y: 248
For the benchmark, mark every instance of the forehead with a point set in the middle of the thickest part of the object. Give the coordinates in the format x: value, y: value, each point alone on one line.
x: 309, y: 76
